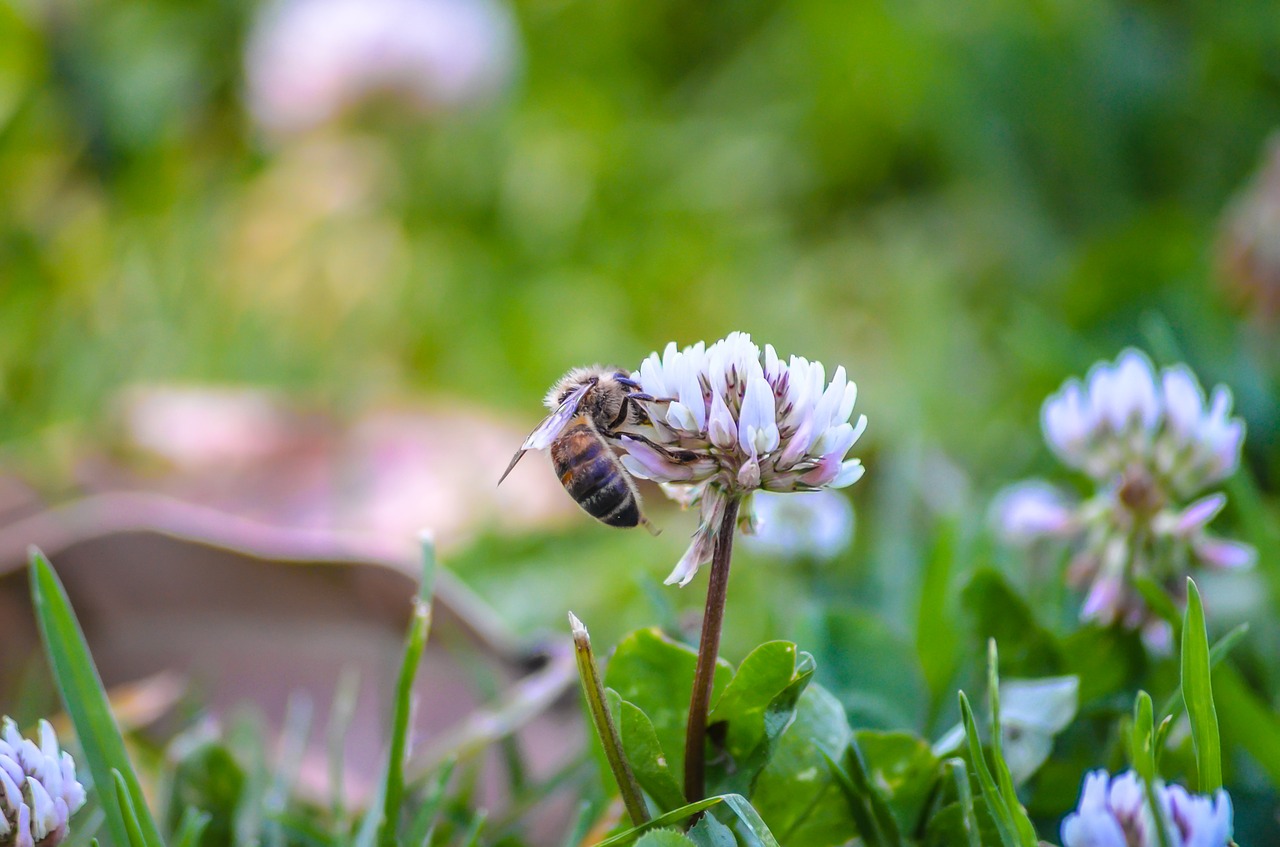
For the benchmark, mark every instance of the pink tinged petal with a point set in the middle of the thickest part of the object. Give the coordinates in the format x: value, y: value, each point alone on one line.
x: 48, y: 741
x: 1032, y: 510
x: 1135, y: 398
x: 757, y: 422
x: 651, y: 377
x: 1066, y: 420
x: 11, y: 734
x: 721, y: 427
x: 702, y: 547
x: 1198, y: 515
x: 837, y: 440
x: 689, y: 390
x: 1183, y: 400
x: 797, y: 446
x: 847, y: 402
x: 749, y: 473
x: 10, y: 766
x: 827, y: 469
x: 24, y: 827
x: 9, y: 787
x: 1102, y: 602
x: 1226, y: 554
x: 29, y: 755
x: 850, y: 472
x: 72, y: 790
x: 1096, y: 830
x: 647, y: 463
x: 44, y: 815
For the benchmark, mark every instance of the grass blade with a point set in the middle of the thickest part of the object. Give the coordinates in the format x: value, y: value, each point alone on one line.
x: 127, y: 811
x: 1197, y: 693
x: 191, y: 827
x: 424, y: 820
x: 1022, y: 824
x: 1143, y: 752
x: 86, y: 702
x: 964, y: 796
x: 415, y: 644
x: 1005, y: 826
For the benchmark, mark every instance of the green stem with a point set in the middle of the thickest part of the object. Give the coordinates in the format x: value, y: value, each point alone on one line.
x: 607, y: 731
x: 695, y: 765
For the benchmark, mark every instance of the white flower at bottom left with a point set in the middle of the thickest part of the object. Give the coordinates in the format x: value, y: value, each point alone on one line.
x: 39, y: 791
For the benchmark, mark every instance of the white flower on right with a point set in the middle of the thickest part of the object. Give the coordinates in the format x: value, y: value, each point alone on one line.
x: 808, y: 524
x: 730, y: 419
x: 38, y: 788
x: 1114, y: 812
x: 1150, y: 441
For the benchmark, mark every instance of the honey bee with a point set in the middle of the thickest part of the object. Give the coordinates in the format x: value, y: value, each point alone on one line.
x: 589, y: 407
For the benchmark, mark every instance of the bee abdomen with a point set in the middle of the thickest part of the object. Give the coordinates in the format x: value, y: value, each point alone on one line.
x: 594, y: 478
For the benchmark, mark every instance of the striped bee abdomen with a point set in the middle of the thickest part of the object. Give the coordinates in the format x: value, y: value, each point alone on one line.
x: 593, y: 476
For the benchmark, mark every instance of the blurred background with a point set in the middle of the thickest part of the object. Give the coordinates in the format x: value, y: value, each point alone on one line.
x: 314, y: 263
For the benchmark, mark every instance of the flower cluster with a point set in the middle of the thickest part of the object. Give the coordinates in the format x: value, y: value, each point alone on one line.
x: 1149, y: 442
x: 1116, y: 813
x: 38, y: 788
x: 730, y: 419
x: 311, y: 60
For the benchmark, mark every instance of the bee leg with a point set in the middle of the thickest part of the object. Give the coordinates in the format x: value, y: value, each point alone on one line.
x: 630, y: 406
x: 680, y: 457
x: 647, y: 524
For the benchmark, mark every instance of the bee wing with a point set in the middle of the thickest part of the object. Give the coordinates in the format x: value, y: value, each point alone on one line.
x: 546, y: 432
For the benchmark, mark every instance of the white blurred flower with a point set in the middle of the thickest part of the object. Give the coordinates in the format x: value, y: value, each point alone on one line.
x: 1125, y: 415
x: 1150, y: 441
x: 38, y: 788
x: 815, y: 524
x: 731, y: 419
x: 1114, y: 812
x: 308, y: 61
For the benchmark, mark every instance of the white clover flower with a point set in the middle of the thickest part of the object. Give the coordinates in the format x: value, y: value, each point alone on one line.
x: 730, y: 420
x: 813, y: 524
x: 1115, y: 813
x: 38, y: 788
x: 1150, y: 442
x: 309, y: 61
x: 1124, y: 415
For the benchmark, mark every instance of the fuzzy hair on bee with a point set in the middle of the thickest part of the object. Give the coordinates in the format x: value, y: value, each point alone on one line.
x: 589, y: 407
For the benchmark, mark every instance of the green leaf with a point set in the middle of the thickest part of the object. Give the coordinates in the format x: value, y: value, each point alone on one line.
x: 710, y: 832
x: 765, y: 672
x: 86, y: 703
x: 876, y: 823
x: 795, y: 793
x: 655, y: 673
x: 755, y: 709
x: 647, y: 758
x: 1249, y: 722
x: 736, y: 804
x: 1001, y: 614
x: 872, y: 669
x: 665, y: 838
x: 902, y: 766
x: 964, y: 798
x: 1197, y: 693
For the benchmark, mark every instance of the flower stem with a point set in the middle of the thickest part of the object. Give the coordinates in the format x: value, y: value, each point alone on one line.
x: 593, y: 688
x: 708, y: 650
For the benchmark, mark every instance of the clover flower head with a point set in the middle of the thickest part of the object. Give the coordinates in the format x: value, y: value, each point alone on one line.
x: 1149, y: 441
x: 38, y: 788
x: 813, y: 524
x: 1114, y: 812
x: 1125, y: 415
x: 730, y: 419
